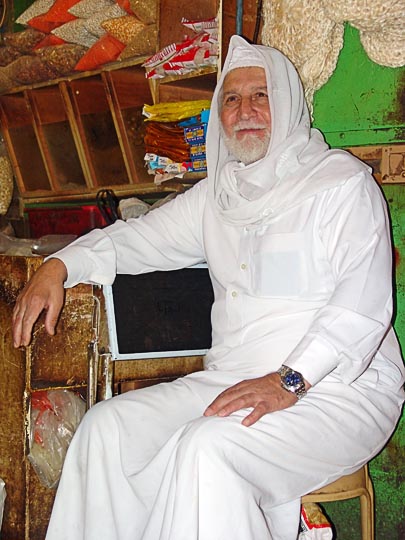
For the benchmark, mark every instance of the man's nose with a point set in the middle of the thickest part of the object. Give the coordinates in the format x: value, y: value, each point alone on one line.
x: 246, y: 109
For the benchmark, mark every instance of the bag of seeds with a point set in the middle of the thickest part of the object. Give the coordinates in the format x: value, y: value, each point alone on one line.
x: 86, y: 8
x: 125, y: 29
x: 107, y: 49
x: 23, y: 41
x: 8, y: 54
x: 76, y: 32
x: 145, y: 10
x: 29, y: 69
x: 38, y: 7
x: 146, y: 45
x: 62, y: 58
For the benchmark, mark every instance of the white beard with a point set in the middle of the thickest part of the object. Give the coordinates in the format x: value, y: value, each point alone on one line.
x: 251, y: 148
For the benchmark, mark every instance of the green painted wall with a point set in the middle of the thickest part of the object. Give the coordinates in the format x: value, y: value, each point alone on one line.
x: 364, y: 104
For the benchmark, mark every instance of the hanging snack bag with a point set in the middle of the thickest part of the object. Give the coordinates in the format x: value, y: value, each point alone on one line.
x: 314, y: 524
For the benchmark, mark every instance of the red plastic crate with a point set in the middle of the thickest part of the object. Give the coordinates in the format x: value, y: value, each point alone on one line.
x: 67, y: 220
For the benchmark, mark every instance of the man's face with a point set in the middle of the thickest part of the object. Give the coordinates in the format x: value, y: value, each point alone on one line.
x: 245, y: 113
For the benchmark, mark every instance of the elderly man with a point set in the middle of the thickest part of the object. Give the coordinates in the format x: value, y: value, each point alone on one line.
x: 303, y: 382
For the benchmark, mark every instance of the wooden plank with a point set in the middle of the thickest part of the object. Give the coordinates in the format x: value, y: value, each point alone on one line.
x: 13, y: 272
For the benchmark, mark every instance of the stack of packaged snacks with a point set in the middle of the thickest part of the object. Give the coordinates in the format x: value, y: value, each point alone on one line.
x: 195, y: 131
x: 192, y: 54
x: 175, y: 138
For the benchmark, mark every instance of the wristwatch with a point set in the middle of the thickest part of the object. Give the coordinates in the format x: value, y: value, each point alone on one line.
x: 292, y: 381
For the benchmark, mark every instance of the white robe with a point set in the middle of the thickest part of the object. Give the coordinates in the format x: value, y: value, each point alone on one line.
x: 302, y: 278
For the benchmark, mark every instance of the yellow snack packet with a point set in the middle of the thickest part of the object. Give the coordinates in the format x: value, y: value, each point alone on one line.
x: 175, y: 111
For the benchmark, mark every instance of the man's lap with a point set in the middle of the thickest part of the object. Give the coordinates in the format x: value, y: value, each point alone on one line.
x: 317, y: 439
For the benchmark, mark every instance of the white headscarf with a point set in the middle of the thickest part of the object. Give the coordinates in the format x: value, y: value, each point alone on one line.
x: 297, y: 164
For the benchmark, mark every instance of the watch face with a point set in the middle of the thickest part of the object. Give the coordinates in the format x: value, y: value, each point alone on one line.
x: 292, y: 379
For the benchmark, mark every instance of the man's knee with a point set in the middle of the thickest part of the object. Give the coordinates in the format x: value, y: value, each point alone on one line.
x: 210, y: 436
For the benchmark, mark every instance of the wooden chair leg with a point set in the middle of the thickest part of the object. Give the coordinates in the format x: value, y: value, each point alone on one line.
x: 367, y: 516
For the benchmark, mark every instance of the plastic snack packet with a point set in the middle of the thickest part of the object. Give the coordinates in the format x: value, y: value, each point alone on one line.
x: 174, y: 111
x: 313, y: 523
x: 208, y: 25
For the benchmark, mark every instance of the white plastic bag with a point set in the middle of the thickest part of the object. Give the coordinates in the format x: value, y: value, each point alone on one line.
x: 2, y: 499
x: 55, y: 415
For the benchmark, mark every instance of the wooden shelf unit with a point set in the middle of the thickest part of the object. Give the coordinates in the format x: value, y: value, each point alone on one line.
x: 70, y: 137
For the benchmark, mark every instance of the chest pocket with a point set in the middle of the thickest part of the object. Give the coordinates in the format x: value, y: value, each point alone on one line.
x: 281, y: 265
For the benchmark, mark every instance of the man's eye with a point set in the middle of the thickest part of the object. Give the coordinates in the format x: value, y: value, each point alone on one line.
x: 261, y: 96
x: 231, y: 100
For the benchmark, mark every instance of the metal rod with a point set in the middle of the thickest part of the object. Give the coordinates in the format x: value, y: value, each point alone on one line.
x: 239, y: 17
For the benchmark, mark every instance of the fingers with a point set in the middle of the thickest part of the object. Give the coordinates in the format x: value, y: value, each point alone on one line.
x: 255, y: 415
x: 260, y: 408
x: 264, y: 395
x: 223, y: 400
x: 44, y: 291
x: 225, y: 406
x: 24, y: 317
x: 52, y: 316
x: 17, y: 327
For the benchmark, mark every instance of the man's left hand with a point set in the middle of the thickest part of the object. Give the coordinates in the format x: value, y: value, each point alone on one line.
x: 264, y: 394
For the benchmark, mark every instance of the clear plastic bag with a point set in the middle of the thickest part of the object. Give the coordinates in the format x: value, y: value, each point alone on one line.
x: 45, y: 245
x: 132, y: 208
x: 55, y: 415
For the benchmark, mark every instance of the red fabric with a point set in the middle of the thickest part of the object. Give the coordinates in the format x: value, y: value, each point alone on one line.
x: 49, y: 40
x: 106, y: 49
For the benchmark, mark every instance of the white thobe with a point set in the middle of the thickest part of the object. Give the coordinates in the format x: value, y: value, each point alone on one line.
x: 310, y: 288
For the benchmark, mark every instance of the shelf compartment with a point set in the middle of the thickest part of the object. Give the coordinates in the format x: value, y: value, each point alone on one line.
x: 193, y: 86
x: 127, y: 91
x: 69, y: 137
x: 20, y: 136
x: 96, y: 131
x: 56, y: 139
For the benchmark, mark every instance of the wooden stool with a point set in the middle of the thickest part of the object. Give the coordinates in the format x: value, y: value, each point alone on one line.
x: 353, y: 485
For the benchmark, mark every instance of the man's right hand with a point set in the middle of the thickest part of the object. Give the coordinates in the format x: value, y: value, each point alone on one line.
x: 44, y: 291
